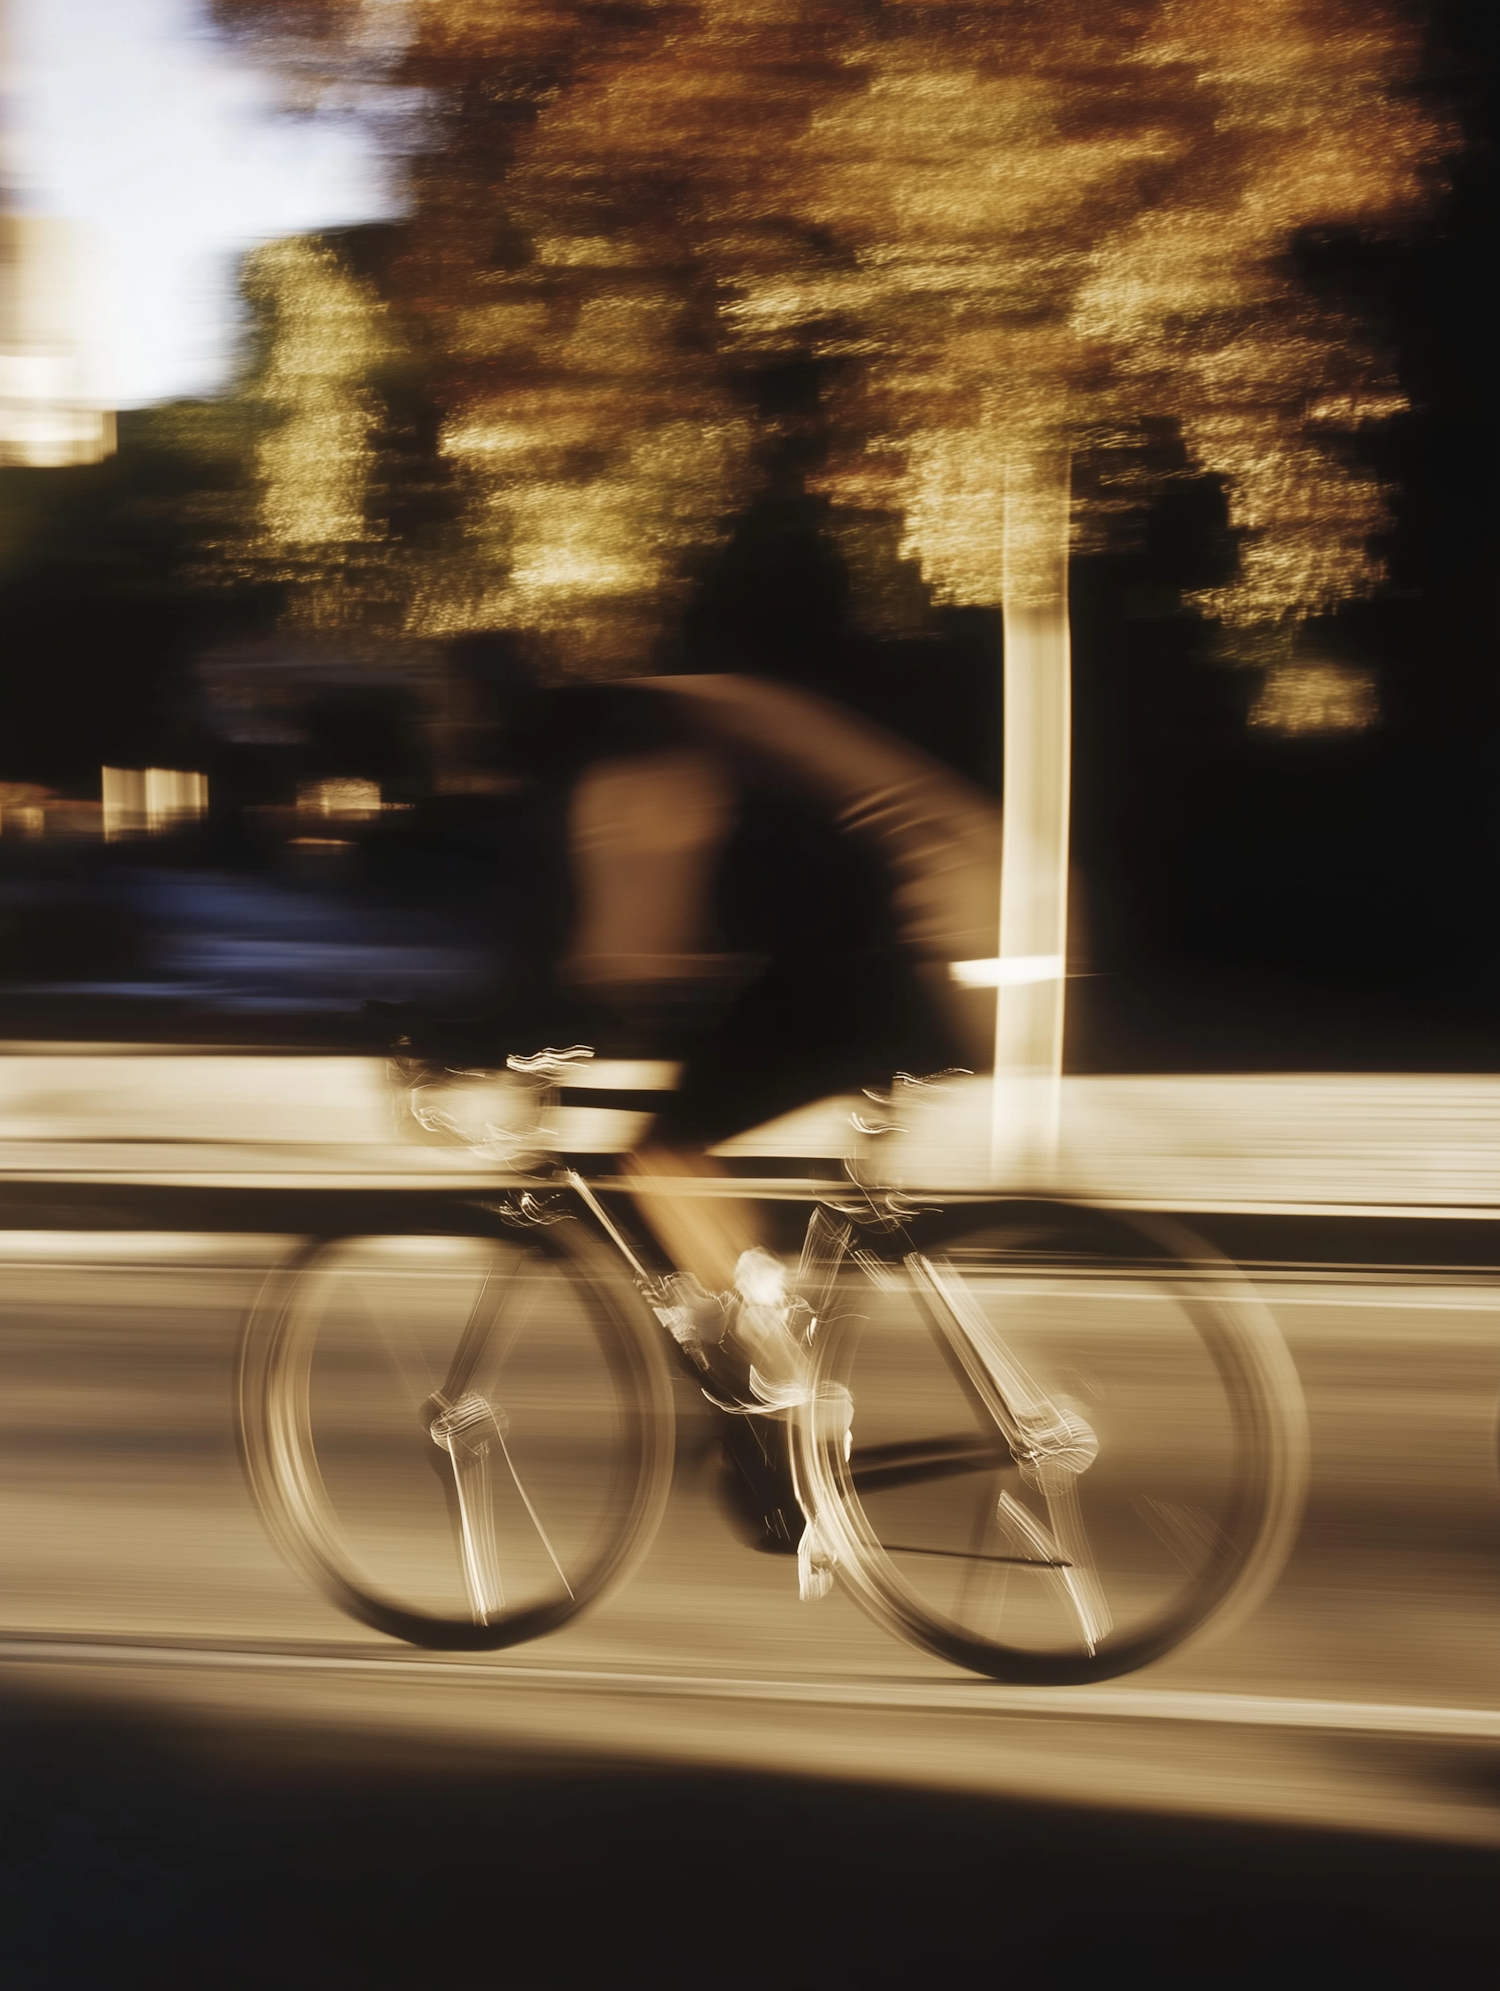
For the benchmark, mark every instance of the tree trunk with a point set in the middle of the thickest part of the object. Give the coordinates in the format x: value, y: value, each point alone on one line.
x: 1034, y: 861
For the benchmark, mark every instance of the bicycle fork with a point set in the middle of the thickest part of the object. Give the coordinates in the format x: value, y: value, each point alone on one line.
x: 1052, y: 1445
x: 466, y: 1430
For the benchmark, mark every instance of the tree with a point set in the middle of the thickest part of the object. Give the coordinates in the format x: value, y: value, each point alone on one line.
x: 592, y: 443
x: 1014, y: 235
x: 1053, y: 235
x: 314, y: 528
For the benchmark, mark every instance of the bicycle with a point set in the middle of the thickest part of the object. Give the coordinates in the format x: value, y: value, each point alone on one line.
x: 1045, y: 1440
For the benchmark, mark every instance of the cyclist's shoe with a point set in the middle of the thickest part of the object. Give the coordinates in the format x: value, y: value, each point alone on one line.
x: 763, y: 1327
x: 738, y: 1341
x: 752, y: 1364
x: 695, y: 1320
x: 702, y: 1326
x: 816, y: 1561
x: 757, y: 1489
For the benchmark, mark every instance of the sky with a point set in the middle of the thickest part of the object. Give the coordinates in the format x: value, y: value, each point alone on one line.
x: 168, y: 153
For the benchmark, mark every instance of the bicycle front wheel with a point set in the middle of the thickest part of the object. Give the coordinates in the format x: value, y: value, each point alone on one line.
x: 463, y: 1439
x: 1052, y: 1445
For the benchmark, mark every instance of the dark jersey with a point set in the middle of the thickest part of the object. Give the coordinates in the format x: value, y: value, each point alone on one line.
x: 749, y: 880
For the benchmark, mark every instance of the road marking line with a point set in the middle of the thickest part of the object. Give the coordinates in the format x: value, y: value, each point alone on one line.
x: 961, y: 1697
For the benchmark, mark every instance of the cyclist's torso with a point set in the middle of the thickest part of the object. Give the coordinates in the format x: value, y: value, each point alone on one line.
x: 759, y: 884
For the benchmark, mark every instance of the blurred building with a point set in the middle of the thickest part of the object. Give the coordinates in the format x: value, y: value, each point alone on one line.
x: 148, y: 801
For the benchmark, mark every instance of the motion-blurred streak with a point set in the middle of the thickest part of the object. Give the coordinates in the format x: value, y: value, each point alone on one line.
x: 1314, y: 1141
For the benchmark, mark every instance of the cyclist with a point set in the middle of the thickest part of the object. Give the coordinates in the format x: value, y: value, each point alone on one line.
x: 771, y: 890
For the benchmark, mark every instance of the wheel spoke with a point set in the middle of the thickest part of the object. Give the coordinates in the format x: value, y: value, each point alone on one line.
x: 464, y: 1434
x: 1080, y: 1578
x: 489, y: 1303
x: 1192, y: 1537
x: 536, y: 1519
x: 415, y: 1387
x: 1042, y: 1549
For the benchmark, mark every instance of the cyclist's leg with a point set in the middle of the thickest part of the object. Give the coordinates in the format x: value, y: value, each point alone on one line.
x: 751, y: 1362
x: 703, y: 1235
x: 719, y: 1242
x: 810, y: 1025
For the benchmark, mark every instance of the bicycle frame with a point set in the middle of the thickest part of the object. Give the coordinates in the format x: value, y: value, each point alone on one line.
x: 1050, y: 1444
x: 787, y: 1426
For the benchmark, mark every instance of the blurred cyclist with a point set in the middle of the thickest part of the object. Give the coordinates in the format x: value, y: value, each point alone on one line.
x: 771, y: 891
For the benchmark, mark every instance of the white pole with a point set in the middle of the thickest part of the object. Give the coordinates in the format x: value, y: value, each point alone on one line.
x: 1027, y: 1094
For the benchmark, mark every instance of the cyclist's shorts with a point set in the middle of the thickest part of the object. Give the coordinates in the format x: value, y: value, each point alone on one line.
x: 807, y: 1027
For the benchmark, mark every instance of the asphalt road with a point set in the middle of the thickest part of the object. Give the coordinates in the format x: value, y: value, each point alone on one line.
x: 213, y: 1777
x: 1364, y: 1695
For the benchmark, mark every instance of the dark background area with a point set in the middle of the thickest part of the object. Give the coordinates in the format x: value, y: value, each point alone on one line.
x: 142, y: 1854
x: 1246, y: 900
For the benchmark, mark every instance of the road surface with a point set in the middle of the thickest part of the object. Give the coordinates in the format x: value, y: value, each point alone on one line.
x: 1364, y: 1695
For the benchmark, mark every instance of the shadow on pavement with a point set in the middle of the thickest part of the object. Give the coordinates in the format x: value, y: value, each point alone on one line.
x: 227, y: 1855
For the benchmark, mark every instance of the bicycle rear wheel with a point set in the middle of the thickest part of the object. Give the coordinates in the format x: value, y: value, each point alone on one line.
x: 463, y: 1439
x: 1150, y: 1486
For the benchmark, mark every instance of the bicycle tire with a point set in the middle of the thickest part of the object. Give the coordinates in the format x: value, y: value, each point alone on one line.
x: 1201, y: 1364
x: 564, y: 1454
